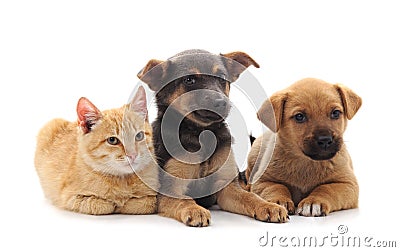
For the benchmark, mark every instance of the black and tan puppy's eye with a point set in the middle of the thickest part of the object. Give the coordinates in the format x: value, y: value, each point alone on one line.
x: 113, y: 140
x: 139, y: 136
x: 300, y: 117
x: 335, y: 114
x: 189, y: 80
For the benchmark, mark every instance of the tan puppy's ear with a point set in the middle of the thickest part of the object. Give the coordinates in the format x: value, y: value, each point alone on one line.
x: 350, y: 100
x: 153, y: 73
x: 235, y: 69
x: 271, y: 111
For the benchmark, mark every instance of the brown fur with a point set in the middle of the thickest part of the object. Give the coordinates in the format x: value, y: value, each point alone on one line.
x: 81, y: 172
x: 293, y: 179
x: 231, y: 197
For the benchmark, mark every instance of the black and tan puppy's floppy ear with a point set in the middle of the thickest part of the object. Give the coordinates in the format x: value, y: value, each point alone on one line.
x: 235, y: 69
x: 153, y: 73
x: 351, y: 101
x: 271, y: 111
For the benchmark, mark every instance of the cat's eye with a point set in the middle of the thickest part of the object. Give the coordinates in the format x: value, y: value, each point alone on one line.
x: 113, y: 140
x: 189, y: 80
x: 139, y: 136
x: 335, y: 114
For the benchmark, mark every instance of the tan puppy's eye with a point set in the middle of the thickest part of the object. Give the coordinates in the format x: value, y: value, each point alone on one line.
x: 335, y: 114
x: 139, y: 136
x: 300, y: 117
x: 112, y: 140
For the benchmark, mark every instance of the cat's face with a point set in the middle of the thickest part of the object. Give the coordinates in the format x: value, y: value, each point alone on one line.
x: 117, y: 141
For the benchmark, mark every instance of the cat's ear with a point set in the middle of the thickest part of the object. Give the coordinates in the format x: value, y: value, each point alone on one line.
x: 138, y: 103
x: 88, y: 114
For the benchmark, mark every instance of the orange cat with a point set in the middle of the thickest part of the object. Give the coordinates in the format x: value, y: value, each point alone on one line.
x: 92, y: 166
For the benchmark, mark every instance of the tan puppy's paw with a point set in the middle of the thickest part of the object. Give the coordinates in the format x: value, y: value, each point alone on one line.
x: 271, y: 212
x: 313, y: 207
x: 286, y: 203
x: 195, y: 216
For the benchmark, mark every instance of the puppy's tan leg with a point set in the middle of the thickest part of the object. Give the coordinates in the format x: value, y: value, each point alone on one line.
x: 328, y: 198
x: 143, y: 205
x: 184, y: 210
x: 276, y: 193
x: 235, y: 199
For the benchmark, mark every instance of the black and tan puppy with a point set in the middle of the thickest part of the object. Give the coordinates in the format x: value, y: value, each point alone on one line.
x: 310, y: 167
x: 192, y: 141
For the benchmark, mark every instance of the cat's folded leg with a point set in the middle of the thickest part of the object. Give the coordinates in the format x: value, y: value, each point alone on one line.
x: 142, y: 205
x: 89, y: 204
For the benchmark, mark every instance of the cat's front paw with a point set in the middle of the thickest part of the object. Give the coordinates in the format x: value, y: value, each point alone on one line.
x: 195, y: 216
x: 92, y: 205
x: 313, y: 207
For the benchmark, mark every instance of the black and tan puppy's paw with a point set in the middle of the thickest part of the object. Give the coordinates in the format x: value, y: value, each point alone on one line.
x: 271, y: 212
x: 313, y: 207
x: 195, y: 216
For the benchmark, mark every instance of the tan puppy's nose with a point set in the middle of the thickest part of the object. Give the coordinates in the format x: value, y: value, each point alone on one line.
x: 324, y: 141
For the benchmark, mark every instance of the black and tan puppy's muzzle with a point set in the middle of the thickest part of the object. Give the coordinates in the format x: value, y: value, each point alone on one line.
x: 322, y: 145
x: 213, y: 107
x: 208, y: 98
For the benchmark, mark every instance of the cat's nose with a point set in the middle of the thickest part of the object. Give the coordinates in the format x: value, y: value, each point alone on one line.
x: 131, y: 156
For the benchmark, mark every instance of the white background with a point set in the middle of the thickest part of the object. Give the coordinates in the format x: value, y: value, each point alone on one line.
x: 53, y: 52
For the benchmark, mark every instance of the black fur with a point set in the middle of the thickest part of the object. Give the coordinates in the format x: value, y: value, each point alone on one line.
x: 252, y: 139
x: 189, y: 132
x: 242, y: 177
x: 189, y: 136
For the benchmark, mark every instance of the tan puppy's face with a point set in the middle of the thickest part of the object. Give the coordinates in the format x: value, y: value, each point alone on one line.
x: 311, y: 116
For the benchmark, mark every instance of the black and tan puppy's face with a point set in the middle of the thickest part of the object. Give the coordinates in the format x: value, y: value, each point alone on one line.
x: 201, y: 98
x: 196, y: 83
x: 312, y: 116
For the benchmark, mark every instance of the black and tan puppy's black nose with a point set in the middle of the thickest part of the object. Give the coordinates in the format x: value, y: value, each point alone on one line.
x: 219, y: 103
x: 324, y: 141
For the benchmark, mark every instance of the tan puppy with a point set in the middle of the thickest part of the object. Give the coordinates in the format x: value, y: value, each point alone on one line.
x: 310, y: 167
